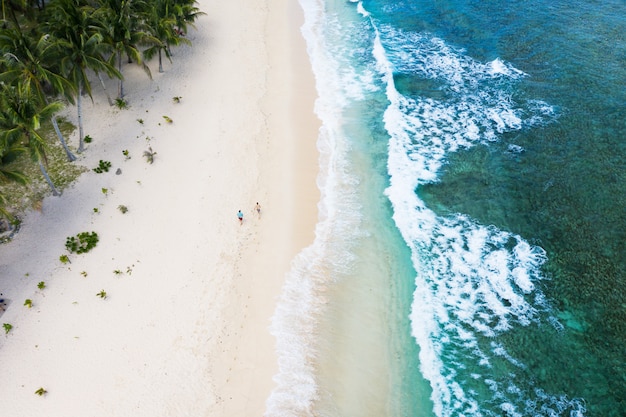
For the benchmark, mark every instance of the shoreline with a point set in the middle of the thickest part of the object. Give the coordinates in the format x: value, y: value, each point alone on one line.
x: 173, y: 336
x: 289, y: 214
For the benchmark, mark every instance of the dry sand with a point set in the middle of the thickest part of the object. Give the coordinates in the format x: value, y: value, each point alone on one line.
x: 183, y: 330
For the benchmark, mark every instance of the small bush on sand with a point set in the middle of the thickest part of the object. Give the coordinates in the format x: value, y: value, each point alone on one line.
x: 82, y: 242
x: 103, y: 166
x: 121, y: 104
x: 149, y: 155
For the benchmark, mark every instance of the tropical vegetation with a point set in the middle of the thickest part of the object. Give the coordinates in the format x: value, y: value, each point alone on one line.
x: 50, y: 53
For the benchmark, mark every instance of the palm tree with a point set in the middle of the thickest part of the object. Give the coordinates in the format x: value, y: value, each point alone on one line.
x: 167, y: 21
x: 161, y: 23
x: 21, y: 115
x: 31, y: 60
x: 12, y: 8
x: 10, y: 149
x: 8, y: 174
x: 123, y: 23
x: 8, y: 153
x: 80, y: 40
x: 186, y: 14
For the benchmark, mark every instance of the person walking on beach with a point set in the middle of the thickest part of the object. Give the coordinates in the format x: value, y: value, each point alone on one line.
x: 258, y: 209
x: 240, y: 217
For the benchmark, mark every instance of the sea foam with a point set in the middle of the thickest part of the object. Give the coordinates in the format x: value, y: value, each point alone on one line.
x: 474, y: 282
x: 296, y: 319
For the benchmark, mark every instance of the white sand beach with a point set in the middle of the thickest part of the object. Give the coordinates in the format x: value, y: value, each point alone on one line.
x: 183, y: 330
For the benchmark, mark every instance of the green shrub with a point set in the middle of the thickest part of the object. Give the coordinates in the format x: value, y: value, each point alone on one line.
x: 121, y: 103
x: 82, y: 242
x: 103, y: 166
x: 149, y: 155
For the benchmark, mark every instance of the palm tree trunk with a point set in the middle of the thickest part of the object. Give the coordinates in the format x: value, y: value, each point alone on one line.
x: 79, y: 107
x: 119, y: 68
x: 55, y: 192
x: 160, y: 62
x: 70, y: 156
x: 105, y: 90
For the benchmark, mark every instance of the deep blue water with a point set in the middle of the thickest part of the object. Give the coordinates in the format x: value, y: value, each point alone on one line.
x: 472, y: 151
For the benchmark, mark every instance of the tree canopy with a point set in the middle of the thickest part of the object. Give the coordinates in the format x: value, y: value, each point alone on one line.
x: 50, y: 51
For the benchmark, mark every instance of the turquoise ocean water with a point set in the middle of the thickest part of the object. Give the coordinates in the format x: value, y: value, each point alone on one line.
x: 470, y: 254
